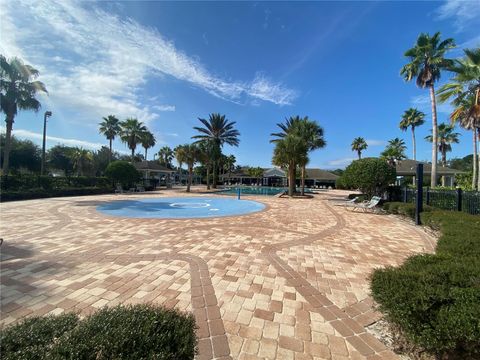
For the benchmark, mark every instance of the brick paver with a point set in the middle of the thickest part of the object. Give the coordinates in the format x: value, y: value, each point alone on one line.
x: 289, y: 282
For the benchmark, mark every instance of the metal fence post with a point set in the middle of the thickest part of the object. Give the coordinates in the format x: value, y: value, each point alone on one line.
x: 419, y: 197
x: 459, y: 199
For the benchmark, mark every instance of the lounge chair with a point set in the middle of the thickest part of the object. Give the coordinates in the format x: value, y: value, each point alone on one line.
x: 368, y: 206
x: 119, y: 189
x: 351, y: 202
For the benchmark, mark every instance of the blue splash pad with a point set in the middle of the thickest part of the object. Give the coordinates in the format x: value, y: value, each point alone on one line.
x: 180, y: 207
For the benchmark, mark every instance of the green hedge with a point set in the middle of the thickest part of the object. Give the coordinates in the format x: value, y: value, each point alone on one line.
x: 435, y: 299
x: 28, y: 181
x: 121, y: 332
x: 40, y: 193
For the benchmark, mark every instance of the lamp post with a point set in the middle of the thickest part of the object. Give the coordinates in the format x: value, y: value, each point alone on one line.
x: 47, y: 114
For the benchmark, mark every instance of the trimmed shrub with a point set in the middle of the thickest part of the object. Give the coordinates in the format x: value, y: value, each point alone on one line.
x: 33, y: 338
x: 122, y: 172
x: 121, y: 332
x: 39, y: 193
x: 371, y: 175
x: 435, y: 299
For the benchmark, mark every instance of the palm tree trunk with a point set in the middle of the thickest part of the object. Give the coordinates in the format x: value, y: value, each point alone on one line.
x: 8, y: 144
x: 433, y: 181
x: 214, y: 184
x: 189, y: 184
x: 475, y: 155
x: 414, y: 144
x: 133, y: 155
x: 110, y: 153
x: 444, y: 163
x: 145, y: 154
x: 291, y: 179
x: 359, y: 154
x: 208, y: 177
x: 303, y: 180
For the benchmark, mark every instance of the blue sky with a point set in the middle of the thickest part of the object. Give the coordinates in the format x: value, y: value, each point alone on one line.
x: 256, y: 62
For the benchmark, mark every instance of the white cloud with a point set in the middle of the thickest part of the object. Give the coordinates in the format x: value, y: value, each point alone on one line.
x: 341, y: 162
x: 372, y: 142
x: 164, y: 107
x: 94, y: 63
x: 27, y: 134
x: 423, y: 103
x: 463, y: 12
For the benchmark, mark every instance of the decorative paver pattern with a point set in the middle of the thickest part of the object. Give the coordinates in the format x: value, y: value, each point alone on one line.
x: 290, y: 282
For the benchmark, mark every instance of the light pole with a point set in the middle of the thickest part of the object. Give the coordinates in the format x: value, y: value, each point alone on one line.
x: 47, y: 114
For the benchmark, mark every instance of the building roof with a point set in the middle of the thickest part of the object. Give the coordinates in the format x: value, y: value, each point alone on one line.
x: 152, y: 166
x: 320, y: 174
x: 408, y: 168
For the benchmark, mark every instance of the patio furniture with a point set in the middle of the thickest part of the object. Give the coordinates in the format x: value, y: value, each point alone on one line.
x: 119, y: 189
x: 370, y: 206
x: 351, y: 202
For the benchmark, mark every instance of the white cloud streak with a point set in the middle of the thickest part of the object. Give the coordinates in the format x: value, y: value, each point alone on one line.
x: 96, y: 63
x: 372, y: 142
x: 463, y: 12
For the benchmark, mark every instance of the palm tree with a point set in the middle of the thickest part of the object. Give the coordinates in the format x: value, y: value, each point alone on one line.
x: 165, y: 156
x: 446, y: 137
x: 395, y: 151
x: 464, y: 90
x: 131, y: 133
x: 18, y: 92
x: 426, y: 64
x: 359, y: 144
x: 179, y: 156
x: 189, y: 154
x: 229, y: 164
x: 82, y: 159
x: 309, y: 132
x: 148, y: 141
x: 412, y: 118
x: 289, y: 151
x: 219, y: 131
x: 110, y: 127
x: 205, y: 157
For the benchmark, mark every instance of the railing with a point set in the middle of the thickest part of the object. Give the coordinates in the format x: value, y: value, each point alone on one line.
x: 455, y: 200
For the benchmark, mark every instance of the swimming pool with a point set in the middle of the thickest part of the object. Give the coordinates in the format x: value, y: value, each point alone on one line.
x: 255, y: 190
x: 180, y: 207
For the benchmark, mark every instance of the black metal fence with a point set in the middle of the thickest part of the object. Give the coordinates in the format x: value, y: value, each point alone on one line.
x: 455, y: 200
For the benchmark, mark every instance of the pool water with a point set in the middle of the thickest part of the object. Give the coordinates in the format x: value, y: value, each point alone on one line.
x: 180, y: 207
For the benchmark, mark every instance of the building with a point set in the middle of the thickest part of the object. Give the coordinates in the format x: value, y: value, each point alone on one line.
x: 409, y: 168
x: 277, y: 177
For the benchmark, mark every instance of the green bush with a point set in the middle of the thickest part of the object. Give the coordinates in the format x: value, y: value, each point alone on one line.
x: 34, y: 337
x: 435, y: 299
x: 39, y: 193
x: 123, y: 172
x: 371, y: 175
x: 121, y: 332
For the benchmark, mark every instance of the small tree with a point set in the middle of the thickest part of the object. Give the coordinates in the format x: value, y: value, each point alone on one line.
x: 122, y: 172
x: 371, y: 175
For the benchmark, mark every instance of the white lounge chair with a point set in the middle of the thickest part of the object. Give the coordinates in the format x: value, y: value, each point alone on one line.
x: 351, y: 202
x: 368, y: 206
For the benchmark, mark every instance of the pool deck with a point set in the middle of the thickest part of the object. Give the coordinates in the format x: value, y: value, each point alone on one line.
x: 289, y: 282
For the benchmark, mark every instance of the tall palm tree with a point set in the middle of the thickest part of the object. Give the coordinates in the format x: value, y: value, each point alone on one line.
x: 178, y: 152
x: 464, y: 92
x: 206, y: 148
x: 165, y: 156
x: 426, y: 64
x: 359, y: 144
x: 412, y: 118
x: 309, y: 132
x: 395, y: 151
x: 18, y: 90
x: 131, y: 134
x: 446, y: 137
x: 189, y: 154
x: 148, y: 141
x: 82, y: 159
x: 110, y: 127
x: 219, y: 131
x: 289, y: 151
x: 313, y: 136
x: 229, y: 164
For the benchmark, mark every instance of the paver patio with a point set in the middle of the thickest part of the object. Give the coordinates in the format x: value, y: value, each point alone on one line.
x: 290, y: 282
